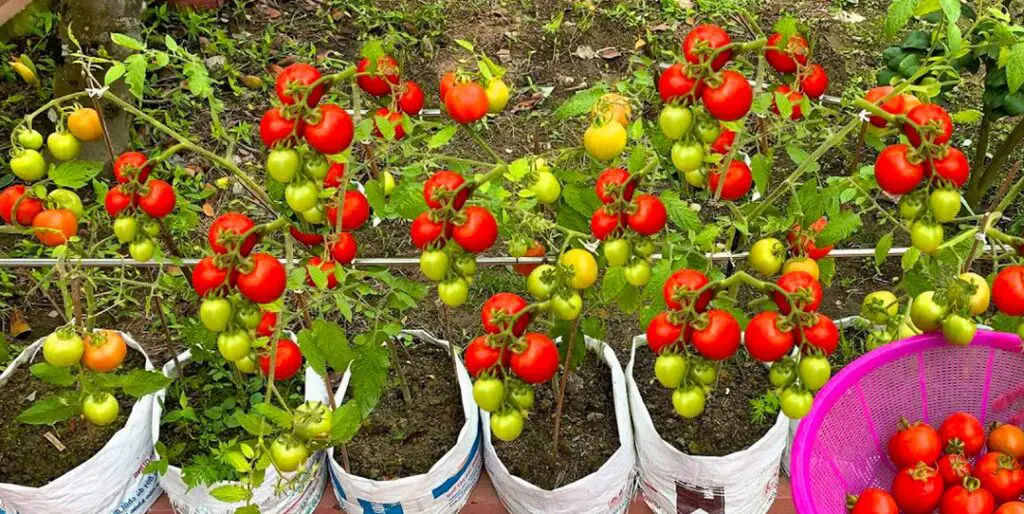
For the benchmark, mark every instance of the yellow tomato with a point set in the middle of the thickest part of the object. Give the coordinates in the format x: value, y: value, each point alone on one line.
x: 982, y: 293
x: 612, y: 106
x: 497, y: 95
x: 584, y: 267
x: 802, y: 264
x: 85, y: 124
x: 605, y: 142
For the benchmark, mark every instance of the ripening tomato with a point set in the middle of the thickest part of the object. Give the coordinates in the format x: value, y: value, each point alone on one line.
x: 538, y: 361
x: 287, y: 360
x: 649, y: 217
x: 381, y: 79
x: 803, y: 241
x: 731, y: 99
x: 344, y: 248
x: 605, y: 141
x: 384, y: 115
x: 438, y: 189
x: 723, y: 143
x: 131, y: 166
x: 104, y: 350
x: 965, y: 431
x: 738, y: 181
x: 85, y: 124
x: 265, y: 280
x: 894, y: 105
x: 1001, y: 475
x: 795, y: 98
x: 296, y: 76
x: 466, y: 102
x: 765, y: 341
x: 823, y: 335
x: 354, y: 212
x: 874, y: 501
x: 679, y: 288
x: 784, y: 55
x: 814, y: 82
x: 411, y: 100
x: 953, y: 166
x: 534, y: 249
x: 478, y: 231
x: 275, y: 127
x: 953, y: 468
x: 895, y: 172
x: 55, y: 227
x: 1007, y: 439
x: 937, y: 125
x: 327, y: 266
x: 27, y: 207
x: 675, y: 85
x: 719, y: 339
x: 480, y: 356
x: 661, y: 332
x: 914, y: 443
x: 236, y: 224
x: 1011, y: 508
x: 701, y: 44
x: 505, y: 305
x: 1008, y: 290
x: 802, y: 284
x: 425, y: 231
x: 614, y: 181
x: 158, y: 199
x: 917, y: 489
x: 332, y: 131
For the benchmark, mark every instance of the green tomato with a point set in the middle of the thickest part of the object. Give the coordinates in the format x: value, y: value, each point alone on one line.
x: 68, y: 199
x: 63, y: 145
x: 687, y: 157
x: 126, y: 228
x: 675, y: 121
x: 766, y: 256
x: 315, y: 166
x: 708, y: 130
x: 689, y: 401
x: 782, y: 373
x: 796, y: 403
x: 247, y: 365
x: 151, y: 228
x: 567, y: 309
x: 814, y: 371
x: 670, y: 369
x: 926, y: 237
x: 434, y: 264
x: 1020, y: 330
x: 489, y: 393
x: 644, y: 247
x: 63, y: 349
x: 283, y: 164
x: 536, y: 284
x: 704, y: 373
x: 638, y: 273
x: 507, y: 425
x: 958, y: 330
x: 302, y: 196
x: 522, y: 397
x: 29, y: 165
x: 453, y: 292
x: 466, y: 265
x: 546, y: 188
x: 696, y: 178
x: 234, y: 345
x: 314, y: 216
x: 911, y: 207
x: 907, y: 329
x: 142, y: 250
x: 247, y: 315
x: 388, y: 183
x: 215, y: 313
x: 877, y: 339
x: 618, y: 252
x: 926, y: 313
x: 100, y: 408
x: 879, y: 306
x: 313, y: 420
x: 288, y: 453
x: 944, y: 204
x: 30, y: 138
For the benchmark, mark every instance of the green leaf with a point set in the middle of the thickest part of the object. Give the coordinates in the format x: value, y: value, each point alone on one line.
x: 581, y: 199
x: 346, y: 422
x: 953, y: 36
x: 827, y: 268
x: 139, y: 382
x: 882, y: 248
x: 49, y: 411
x: 75, y: 174
x: 369, y: 375
x: 276, y: 415
x: 464, y: 44
x: 1015, y: 68
x: 127, y: 42
x: 679, y: 212
x: 231, y: 493
x: 579, y: 104
x: 760, y: 168
x: 255, y: 425
x: 910, y: 258
x: 799, y: 155
x: 967, y: 116
x: 900, y: 12
x: 951, y: 8
x: 198, y: 79
x: 839, y: 227
x: 613, y: 283
x: 442, y: 137
x: 113, y: 73
x: 135, y: 75
x: 52, y: 374
x: 170, y: 43
x: 325, y: 344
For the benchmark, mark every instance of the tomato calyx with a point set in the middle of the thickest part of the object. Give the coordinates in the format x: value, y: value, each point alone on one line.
x: 922, y: 472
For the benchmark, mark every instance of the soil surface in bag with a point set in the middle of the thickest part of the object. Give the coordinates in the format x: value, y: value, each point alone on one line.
x: 730, y: 421
x: 399, y: 439
x: 589, y: 434
x: 26, y: 457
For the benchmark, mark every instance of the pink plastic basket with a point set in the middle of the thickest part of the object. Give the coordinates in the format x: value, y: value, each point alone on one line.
x: 839, y: 447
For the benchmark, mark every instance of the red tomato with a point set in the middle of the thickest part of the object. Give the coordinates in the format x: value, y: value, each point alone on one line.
x: 617, y: 176
x: 450, y: 181
x: 206, y: 276
x: 327, y: 267
x: 265, y: 281
x: 298, y: 74
x: 305, y: 238
x: 953, y: 468
x: 738, y: 181
x: 380, y: 81
x: 823, y: 335
x: 719, y: 339
x: 504, y: 305
x: 764, y: 341
x: 355, y: 212
x: 893, y: 105
x: 815, y: 81
x: 724, y: 142
x: 953, y: 166
x: 466, y: 102
x: 411, y: 101
x: 796, y: 100
x: 55, y: 227
x: 917, y: 489
x: 930, y: 115
x: 447, y: 83
x: 785, y: 56
x: 116, y: 201
x: 425, y: 231
x: 130, y: 166
x: 661, y: 332
x: 332, y: 133
x: 536, y: 249
x: 704, y: 38
x: 915, y: 443
x: 234, y: 223
x: 268, y: 323
x: 287, y: 360
x: 730, y: 100
x: 480, y: 356
x: 159, y: 199
x: 894, y: 171
x: 1011, y: 508
x: 335, y: 174
x: 478, y: 232
x: 683, y: 281
x: 275, y: 128
x: 1008, y: 290
x: 536, y: 363
x: 967, y: 500
x: 799, y: 281
x: 344, y: 248
x: 394, y: 118
x: 1001, y: 475
x: 964, y: 431
x: 874, y: 501
x: 803, y: 242
x: 649, y: 217
x: 27, y: 209
x: 675, y: 85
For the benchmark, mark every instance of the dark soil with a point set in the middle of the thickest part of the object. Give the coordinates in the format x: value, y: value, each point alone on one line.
x: 726, y: 426
x: 589, y: 433
x: 400, y: 440
x: 29, y: 459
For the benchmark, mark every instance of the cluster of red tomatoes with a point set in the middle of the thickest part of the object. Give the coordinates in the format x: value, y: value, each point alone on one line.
x: 467, y: 101
x: 928, y: 158
x: 1008, y: 293
x: 944, y: 469
x: 53, y: 218
x: 473, y: 229
x: 789, y: 54
x: 242, y: 327
x: 507, y: 362
x: 383, y: 81
x: 137, y: 194
x: 626, y: 224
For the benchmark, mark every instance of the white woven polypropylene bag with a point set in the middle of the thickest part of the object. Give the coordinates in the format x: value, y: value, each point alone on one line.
x: 744, y: 482
x: 302, y: 497
x: 445, y: 488
x: 111, y: 481
x: 608, y: 490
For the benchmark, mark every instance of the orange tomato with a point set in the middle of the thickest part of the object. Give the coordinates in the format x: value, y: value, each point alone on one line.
x: 104, y: 351
x: 85, y: 124
x: 55, y: 226
x: 612, y: 106
x: 1008, y: 439
x: 1011, y: 508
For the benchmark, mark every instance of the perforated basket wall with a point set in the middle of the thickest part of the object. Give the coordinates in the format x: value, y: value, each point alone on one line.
x: 840, y: 446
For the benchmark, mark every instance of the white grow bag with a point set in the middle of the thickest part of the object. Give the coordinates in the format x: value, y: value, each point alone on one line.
x: 445, y: 488
x: 744, y: 482
x: 111, y: 481
x: 605, y: 491
x: 301, y: 498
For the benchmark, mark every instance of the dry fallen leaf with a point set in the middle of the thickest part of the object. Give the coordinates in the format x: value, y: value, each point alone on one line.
x: 272, y: 13
x: 585, y: 52
x: 640, y: 43
x: 274, y: 70
x: 609, y: 53
x: 19, y: 326
x: 661, y: 27
x: 208, y: 210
